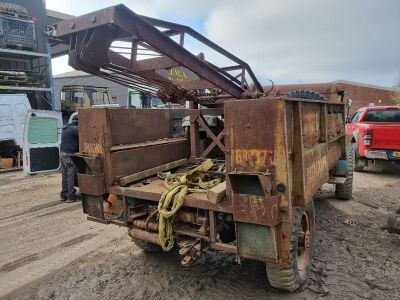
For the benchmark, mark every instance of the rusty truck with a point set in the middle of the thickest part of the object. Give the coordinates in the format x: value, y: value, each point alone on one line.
x: 273, y: 153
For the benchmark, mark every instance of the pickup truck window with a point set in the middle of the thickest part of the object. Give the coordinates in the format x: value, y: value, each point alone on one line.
x: 356, y: 116
x: 387, y: 115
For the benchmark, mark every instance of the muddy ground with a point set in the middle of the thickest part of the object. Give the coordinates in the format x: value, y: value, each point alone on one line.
x: 49, y: 251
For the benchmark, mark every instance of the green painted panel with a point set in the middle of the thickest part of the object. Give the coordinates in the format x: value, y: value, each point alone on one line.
x: 256, y: 239
x: 42, y: 130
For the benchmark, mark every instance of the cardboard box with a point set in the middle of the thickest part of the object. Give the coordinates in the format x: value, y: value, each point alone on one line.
x: 6, y: 163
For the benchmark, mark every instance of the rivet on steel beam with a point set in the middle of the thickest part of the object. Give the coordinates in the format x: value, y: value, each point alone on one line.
x: 93, y: 19
x: 72, y: 25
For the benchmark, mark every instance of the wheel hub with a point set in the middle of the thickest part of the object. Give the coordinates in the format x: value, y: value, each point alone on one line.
x: 304, y: 243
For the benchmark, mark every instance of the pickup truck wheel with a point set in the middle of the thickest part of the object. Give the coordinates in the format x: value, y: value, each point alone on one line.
x: 358, y: 164
x: 344, y: 191
x: 292, y: 277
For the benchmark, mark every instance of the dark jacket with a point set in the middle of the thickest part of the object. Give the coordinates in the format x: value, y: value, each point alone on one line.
x: 69, y: 139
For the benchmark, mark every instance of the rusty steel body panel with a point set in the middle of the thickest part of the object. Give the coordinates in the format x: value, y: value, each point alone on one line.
x: 122, y: 140
x: 287, y: 140
x: 277, y: 151
x: 168, y: 70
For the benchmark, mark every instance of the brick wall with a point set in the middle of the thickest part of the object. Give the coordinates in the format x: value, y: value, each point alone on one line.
x: 361, y: 95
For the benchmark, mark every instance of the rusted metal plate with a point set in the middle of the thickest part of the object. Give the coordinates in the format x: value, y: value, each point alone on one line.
x: 92, y: 131
x: 257, y: 242
x: 91, y: 184
x: 147, y: 144
x: 311, y: 124
x: 127, y: 162
x: 113, y: 207
x: 128, y: 126
x: 92, y: 165
x: 250, y: 134
x: 256, y: 141
x: 256, y: 209
x: 316, y: 169
x: 334, y: 152
x: 93, y: 206
x: 152, y: 171
x: 335, y: 124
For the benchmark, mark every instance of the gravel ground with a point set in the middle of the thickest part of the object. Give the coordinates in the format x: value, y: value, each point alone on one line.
x: 49, y: 251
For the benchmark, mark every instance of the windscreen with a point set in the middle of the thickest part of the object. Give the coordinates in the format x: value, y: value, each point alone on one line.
x: 384, y: 116
x: 100, y: 98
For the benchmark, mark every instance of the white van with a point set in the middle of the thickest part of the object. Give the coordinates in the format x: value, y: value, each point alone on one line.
x: 36, y: 133
x: 13, y: 110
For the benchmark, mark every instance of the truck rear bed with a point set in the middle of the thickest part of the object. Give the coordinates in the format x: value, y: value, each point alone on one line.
x: 386, y: 136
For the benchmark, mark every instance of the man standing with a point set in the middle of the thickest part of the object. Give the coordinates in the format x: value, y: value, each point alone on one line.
x: 69, y: 146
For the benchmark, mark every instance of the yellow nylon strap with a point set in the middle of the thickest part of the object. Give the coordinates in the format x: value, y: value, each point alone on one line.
x: 178, y: 185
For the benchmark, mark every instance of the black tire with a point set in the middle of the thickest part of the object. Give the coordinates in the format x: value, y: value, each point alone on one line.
x: 292, y: 277
x: 305, y: 94
x: 344, y: 191
x: 358, y: 164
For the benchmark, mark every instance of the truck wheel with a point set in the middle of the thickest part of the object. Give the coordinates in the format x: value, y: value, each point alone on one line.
x: 358, y: 164
x: 344, y: 191
x: 146, y: 246
x: 292, y: 277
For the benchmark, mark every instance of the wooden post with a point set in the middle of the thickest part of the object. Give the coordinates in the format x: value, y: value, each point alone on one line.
x: 194, y: 132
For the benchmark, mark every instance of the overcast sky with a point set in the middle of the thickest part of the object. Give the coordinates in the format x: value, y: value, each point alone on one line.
x: 287, y: 41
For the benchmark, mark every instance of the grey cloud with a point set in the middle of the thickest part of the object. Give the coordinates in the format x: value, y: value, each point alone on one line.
x: 311, y: 40
x: 289, y: 41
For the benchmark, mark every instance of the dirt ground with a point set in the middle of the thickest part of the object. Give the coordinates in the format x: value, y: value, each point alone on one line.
x: 48, y: 250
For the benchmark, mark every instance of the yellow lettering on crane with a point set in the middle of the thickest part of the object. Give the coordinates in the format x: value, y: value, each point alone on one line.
x: 177, y: 75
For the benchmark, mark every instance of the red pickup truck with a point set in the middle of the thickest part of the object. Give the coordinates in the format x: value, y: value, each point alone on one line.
x: 376, y: 134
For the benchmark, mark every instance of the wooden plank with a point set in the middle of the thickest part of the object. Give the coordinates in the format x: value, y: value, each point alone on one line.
x: 150, y: 172
x: 217, y: 193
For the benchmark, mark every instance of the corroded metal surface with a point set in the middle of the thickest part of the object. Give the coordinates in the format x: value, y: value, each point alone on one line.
x: 278, y: 151
x: 127, y: 162
x: 91, y: 184
x: 168, y: 70
x: 256, y: 209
